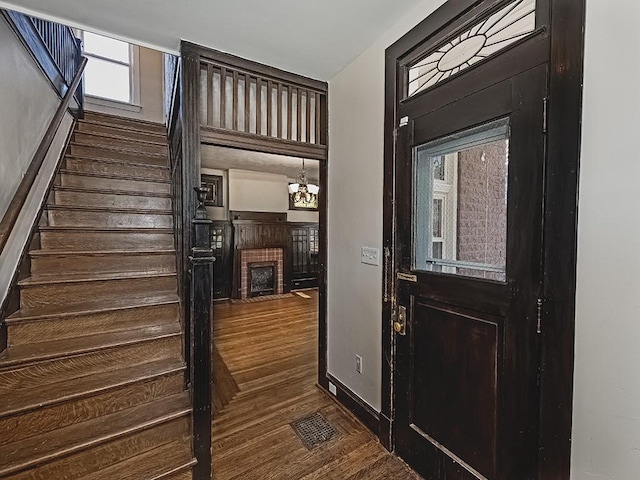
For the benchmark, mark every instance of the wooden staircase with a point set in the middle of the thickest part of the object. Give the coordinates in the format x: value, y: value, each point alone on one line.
x: 92, y: 383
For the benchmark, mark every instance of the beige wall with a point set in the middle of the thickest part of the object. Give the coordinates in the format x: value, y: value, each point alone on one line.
x: 28, y: 105
x: 356, y: 123
x: 606, y: 415
x: 150, y: 84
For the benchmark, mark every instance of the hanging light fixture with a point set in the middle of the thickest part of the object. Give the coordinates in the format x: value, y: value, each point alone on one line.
x: 303, y: 192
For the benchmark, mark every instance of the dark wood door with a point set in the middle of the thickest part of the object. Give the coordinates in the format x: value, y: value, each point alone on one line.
x: 469, y: 192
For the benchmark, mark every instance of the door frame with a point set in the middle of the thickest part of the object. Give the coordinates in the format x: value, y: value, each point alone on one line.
x: 564, y: 115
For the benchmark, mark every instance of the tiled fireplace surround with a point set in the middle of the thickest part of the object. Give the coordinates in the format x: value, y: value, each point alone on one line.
x: 259, y: 255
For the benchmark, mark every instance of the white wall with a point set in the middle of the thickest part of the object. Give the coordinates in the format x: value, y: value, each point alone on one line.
x: 606, y: 433
x: 257, y: 191
x: 149, y: 83
x: 356, y: 124
x: 28, y: 105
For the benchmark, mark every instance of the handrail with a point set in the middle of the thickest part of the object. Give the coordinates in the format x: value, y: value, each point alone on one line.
x: 11, y: 215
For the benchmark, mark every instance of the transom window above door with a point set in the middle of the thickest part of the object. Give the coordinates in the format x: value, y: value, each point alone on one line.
x: 460, y: 203
x: 485, y: 38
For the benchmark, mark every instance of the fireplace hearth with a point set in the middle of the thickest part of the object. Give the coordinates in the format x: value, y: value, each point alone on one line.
x: 261, y: 272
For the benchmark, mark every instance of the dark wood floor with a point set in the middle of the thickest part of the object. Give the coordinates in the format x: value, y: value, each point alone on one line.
x: 269, y: 348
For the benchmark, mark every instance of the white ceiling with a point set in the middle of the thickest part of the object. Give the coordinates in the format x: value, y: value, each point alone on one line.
x: 223, y: 158
x: 316, y: 38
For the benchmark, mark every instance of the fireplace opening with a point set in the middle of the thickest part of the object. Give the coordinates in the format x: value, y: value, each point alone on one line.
x: 262, y: 279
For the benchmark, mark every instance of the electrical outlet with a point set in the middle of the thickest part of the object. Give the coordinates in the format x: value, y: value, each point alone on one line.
x: 332, y: 389
x: 370, y: 256
x: 359, y: 364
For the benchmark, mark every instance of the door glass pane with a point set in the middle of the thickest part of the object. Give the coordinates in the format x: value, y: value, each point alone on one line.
x: 460, y: 203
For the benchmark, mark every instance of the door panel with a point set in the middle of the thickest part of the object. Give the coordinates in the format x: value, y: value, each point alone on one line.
x: 466, y: 391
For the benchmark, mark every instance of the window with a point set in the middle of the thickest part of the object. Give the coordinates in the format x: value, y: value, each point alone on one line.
x: 460, y: 203
x: 109, y: 71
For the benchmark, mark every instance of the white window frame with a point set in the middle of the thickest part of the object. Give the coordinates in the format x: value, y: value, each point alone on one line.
x: 133, y: 105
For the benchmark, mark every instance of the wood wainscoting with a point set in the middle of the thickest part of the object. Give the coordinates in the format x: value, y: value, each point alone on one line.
x: 270, y: 350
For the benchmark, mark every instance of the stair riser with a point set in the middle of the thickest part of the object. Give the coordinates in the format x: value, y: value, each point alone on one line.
x: 121, y: 143
x: 52, y: 371
x: 86, y: 165
x: 121, y: 184
x: 82, y: 241
x: 111, y: 200
x: 79, y: 218
x: 44, y: 265
x: 58, y: 328
x: 136, y: 157
x: 43, y: 295
x: 125, y: 122
x: 51, y: 418
x: 99, y: 457
x: 121, y: 132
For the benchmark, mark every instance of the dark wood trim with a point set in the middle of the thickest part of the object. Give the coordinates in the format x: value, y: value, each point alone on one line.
x: 20, y: 197
x: 235, y: 62
x: 560, y: 238
x: 11, y: 303
x: 30, y: 38
x: 323, y: 247
x: 566, y: 58
x: 261, y: 143
x: 358, y: 407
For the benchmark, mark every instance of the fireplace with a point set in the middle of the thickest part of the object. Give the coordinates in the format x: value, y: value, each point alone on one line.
x: 262, y: 279
x: 261, y: 272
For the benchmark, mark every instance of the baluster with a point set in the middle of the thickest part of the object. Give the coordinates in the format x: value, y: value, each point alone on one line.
x: 308, y: 119
x: 317, y: 95
x: 259, y: 106
x: 289, y: 111
x: 223, y: 97
x: 279, y: 108
x: 209, y: 94
x: 269, y: 107
x: 299, y: 114
x: 247, y: 101
x: 234, y: 93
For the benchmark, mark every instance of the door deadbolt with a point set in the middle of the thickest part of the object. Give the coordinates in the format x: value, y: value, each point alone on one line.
x: 400, y: 324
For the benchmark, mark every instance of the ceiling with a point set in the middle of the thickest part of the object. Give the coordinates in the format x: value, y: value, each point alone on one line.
x: 224, y: 158
x: 316, y: 38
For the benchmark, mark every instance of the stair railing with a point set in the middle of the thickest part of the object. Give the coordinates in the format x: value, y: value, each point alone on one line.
x: 59, y: 55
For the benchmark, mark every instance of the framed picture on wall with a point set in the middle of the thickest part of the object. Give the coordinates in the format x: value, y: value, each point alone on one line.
x: 213, y: 184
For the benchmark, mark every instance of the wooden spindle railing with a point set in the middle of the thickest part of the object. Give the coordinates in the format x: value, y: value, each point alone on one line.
x: 247, y: 105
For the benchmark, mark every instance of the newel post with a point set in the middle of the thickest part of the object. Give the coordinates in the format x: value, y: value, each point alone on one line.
x: 201, y: 260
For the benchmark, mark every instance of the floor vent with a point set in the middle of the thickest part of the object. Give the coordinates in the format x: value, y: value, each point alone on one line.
x: 314, y: 430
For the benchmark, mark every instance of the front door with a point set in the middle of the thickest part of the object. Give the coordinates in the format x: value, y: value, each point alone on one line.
x: 469, y: 214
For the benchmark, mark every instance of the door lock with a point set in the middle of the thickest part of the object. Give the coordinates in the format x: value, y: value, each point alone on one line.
x: 400, y: 323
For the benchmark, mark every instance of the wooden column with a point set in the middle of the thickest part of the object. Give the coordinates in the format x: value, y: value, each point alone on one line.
x: 201, y: 302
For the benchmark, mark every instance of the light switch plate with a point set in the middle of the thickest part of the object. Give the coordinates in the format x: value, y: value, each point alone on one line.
x: 370, y: 256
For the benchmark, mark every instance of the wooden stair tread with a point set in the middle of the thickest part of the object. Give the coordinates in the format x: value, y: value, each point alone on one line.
x: 34, y: 314
x: 95, y: 158
x: 36, y: 352
x: 29, y: 397
x: 113, y: 148
x: 117, y: 118
x: 113, y: 175
x: 155, y: 464
x: 123, y: 138
x: 97, y: 253
x: 71, y: 228
x: 109, y: 191
x: 59, y: 443
x: 88, y: 277
x: 108, y: 209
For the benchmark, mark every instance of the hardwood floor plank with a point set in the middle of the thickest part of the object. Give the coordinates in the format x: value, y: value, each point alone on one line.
x: 270, y: 350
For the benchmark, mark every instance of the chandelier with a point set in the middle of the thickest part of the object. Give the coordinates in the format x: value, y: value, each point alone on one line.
x: 303, y: 192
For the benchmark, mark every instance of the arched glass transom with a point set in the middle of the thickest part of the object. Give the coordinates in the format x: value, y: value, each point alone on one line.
x: 485, y: 38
